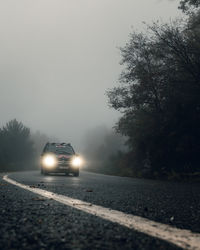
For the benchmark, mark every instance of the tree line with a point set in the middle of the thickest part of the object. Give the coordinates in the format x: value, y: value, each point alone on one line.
x: 16, y: 146
x: 159, y: 96
x: 19, y: 148
x: 103, y: 151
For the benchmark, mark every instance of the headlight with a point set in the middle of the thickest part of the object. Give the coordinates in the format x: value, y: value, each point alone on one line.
x: 49, y: 161
x: 76, y: 161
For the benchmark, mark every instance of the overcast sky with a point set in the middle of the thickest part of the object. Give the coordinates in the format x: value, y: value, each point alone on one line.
x: 58, y: 57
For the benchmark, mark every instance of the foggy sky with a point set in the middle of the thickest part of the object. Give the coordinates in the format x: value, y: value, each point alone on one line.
x: 58, y: 57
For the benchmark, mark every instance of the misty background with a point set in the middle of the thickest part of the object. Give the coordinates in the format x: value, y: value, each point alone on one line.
x: 59, y: 57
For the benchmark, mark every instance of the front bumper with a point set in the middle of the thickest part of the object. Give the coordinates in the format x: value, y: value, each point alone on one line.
x: 60, y: 169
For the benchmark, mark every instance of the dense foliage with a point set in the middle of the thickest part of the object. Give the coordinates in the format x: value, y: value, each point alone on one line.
x: 187, y: 5
x: 159, y: 97
x: 16, y: 147
x: 103, y: 151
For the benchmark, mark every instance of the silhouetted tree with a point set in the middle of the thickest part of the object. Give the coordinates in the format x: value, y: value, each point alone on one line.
x: 102, y: 144
x: 159, y: 97
x: 16, y: 147
x: 186, y: 5
x: 39, y: 139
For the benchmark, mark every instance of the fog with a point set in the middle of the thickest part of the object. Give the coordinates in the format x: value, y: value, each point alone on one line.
x: 57, y: 59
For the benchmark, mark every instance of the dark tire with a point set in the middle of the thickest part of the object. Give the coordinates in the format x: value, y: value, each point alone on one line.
x: 44, y: 172
x: 76, y: 173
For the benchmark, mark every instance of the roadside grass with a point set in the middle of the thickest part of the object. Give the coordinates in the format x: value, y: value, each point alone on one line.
x: 120, y: 170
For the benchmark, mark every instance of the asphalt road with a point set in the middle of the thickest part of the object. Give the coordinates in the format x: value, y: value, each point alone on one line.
x: 30, y: 221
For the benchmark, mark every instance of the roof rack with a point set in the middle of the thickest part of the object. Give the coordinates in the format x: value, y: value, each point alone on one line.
x: 56, y: 143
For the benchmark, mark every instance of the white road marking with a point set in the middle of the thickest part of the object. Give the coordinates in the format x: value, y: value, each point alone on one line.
x: 182, y: 238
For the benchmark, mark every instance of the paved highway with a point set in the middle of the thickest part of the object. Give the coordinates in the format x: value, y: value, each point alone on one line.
x: 95, y: 211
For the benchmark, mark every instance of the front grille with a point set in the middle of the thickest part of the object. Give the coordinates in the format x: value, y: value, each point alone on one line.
x: 63, y: 161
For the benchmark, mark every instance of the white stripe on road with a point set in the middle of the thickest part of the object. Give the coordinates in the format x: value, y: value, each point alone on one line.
x: 182, y: 238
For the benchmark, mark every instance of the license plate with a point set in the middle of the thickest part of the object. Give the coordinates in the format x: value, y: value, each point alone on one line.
x: 63, y: 167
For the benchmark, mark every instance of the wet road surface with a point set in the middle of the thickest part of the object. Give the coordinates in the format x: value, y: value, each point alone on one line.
x: 30, y: 221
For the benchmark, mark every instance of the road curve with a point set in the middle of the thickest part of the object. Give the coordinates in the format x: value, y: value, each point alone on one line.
x: 31, y: 221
